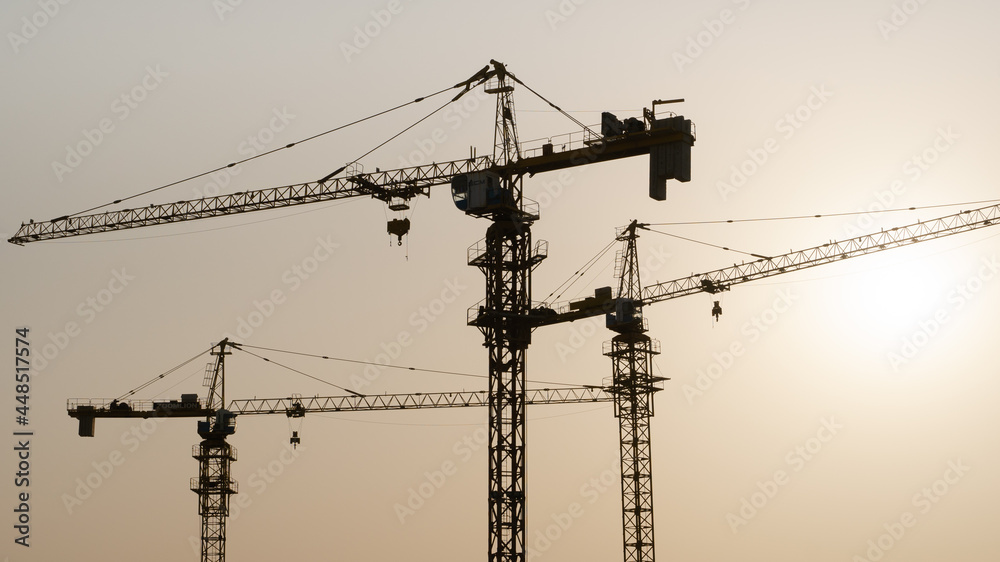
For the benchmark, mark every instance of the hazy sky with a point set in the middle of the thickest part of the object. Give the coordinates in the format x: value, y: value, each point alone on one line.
x: 854, y: 422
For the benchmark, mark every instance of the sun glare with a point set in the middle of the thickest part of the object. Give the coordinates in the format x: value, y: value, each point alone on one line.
x: 887, y: 298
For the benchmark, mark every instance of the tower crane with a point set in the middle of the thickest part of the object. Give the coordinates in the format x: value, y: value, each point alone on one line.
x: 631, y: 350
x: 215, y: 484
x: 488, y: 187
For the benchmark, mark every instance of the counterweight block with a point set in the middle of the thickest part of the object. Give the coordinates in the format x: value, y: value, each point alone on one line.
x: 671, y: 160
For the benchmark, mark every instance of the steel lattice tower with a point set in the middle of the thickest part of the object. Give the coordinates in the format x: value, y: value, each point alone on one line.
x: 631, y: 353
x: 506, y: 258
x: 214, y: 484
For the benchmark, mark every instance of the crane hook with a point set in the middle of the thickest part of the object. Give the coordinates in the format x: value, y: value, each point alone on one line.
x: 399, y: 227
x: 716, y: 310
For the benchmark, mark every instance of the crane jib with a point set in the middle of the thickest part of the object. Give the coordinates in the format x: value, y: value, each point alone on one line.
x: 719, y: 280
x: 88, y: 410
x: 403, y: 183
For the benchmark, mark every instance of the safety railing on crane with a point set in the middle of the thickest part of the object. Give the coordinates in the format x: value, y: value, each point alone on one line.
x: 575, y: 140
x: 152, y: 406
x: 217, y: 486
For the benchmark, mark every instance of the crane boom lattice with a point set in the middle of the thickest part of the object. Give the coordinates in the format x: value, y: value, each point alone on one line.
x: 886, y: 239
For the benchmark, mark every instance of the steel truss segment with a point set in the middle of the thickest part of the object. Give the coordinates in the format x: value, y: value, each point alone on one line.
x: 569, y: 395
x: 631, y: 353
x: 631, y: 361
x: 214, y: 485
x: 714, y: 281
x: 405, y: 183
x: 402, y: 183
x: 503, y: 320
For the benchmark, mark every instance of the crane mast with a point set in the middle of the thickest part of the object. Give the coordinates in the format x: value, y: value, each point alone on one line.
x: 506, y: 258
x: 631, y: 352
x: 214, y: 483
x: 506, y: 149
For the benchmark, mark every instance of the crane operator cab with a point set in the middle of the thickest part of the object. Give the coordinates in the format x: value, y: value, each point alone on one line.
x: 223, y: 423
x: 627, y: 314
x: 480, y: 192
